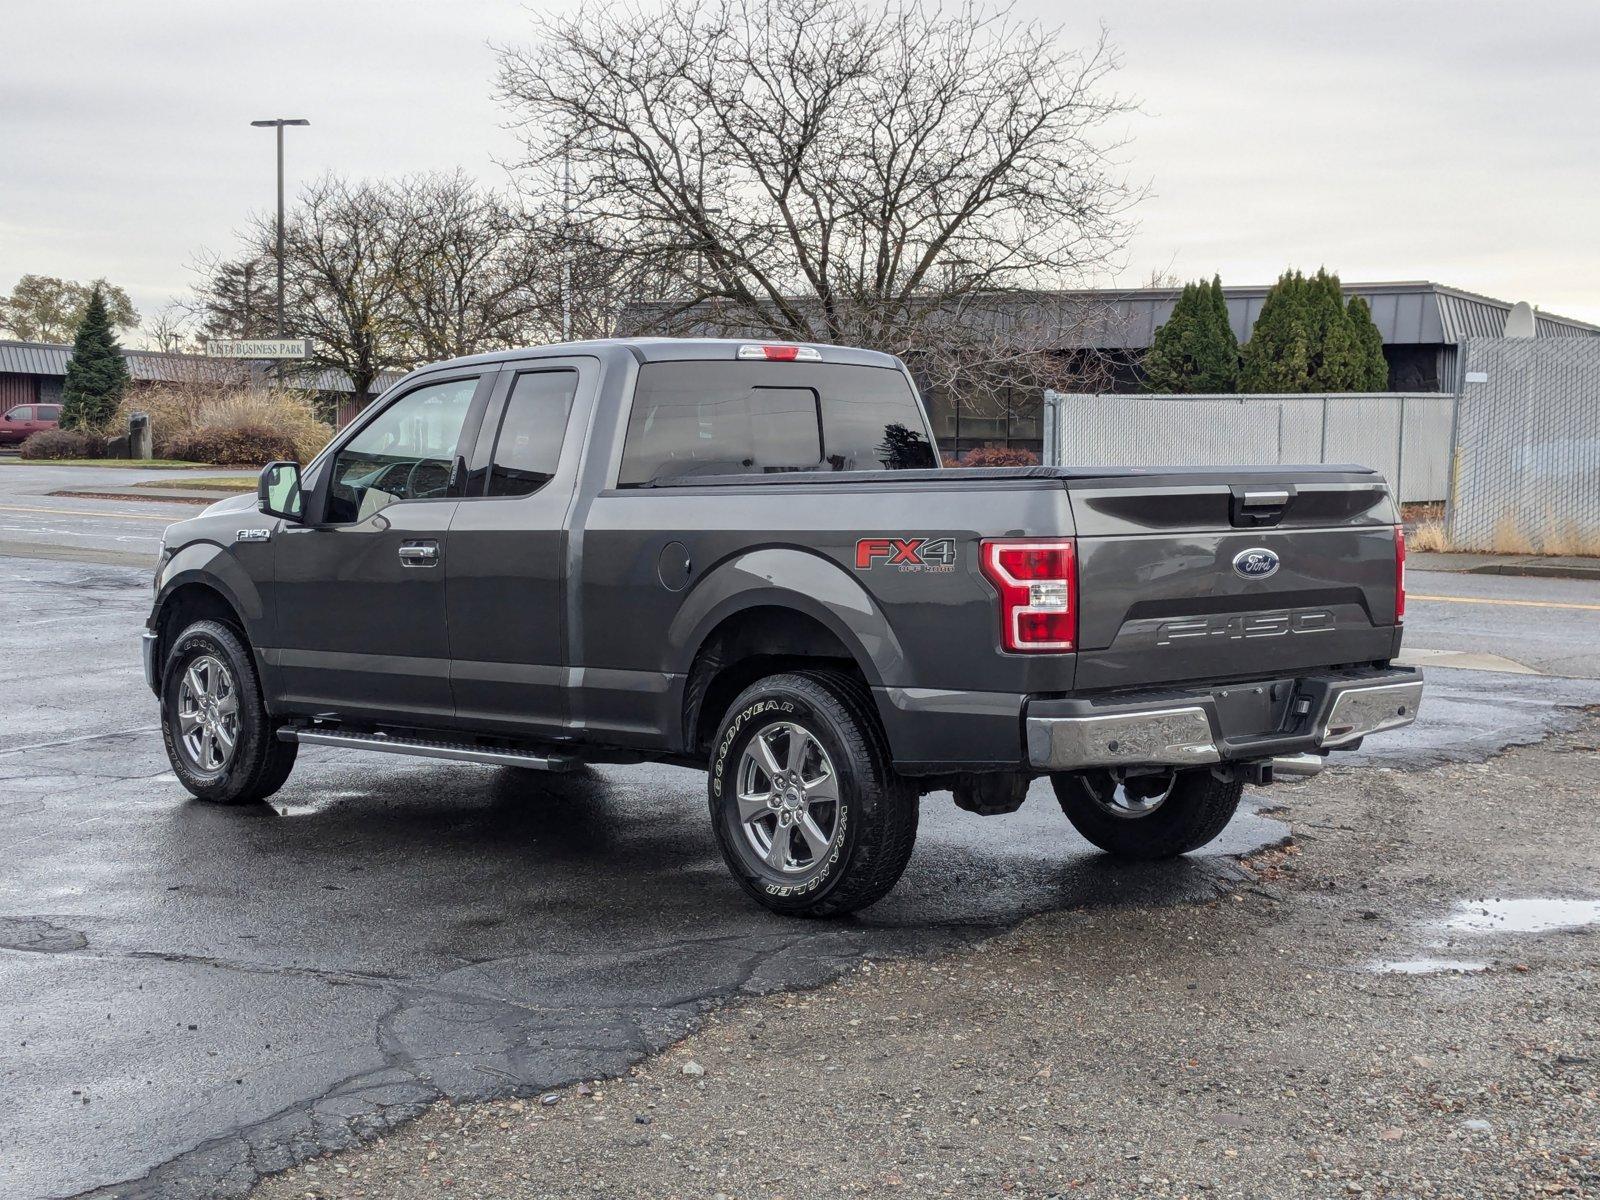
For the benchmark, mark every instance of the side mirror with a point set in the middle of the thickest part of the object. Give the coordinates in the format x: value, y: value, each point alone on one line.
x: 278, y: 491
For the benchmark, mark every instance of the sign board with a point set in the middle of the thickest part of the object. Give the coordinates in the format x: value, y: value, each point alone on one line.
x: 1477, y: 377
x: 260, y: 348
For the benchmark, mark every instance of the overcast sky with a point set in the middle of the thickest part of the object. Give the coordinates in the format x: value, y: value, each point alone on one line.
x: 1403, y: 139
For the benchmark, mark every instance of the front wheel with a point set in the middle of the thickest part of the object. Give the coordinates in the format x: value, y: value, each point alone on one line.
x: 1148, y: 816
x: 806, y: 807
x: 220, y: 740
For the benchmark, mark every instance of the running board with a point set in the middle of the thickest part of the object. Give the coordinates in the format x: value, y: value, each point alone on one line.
x: 425, y: 748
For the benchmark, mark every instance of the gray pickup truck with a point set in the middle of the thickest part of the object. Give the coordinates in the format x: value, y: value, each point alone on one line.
x: 746, y: 558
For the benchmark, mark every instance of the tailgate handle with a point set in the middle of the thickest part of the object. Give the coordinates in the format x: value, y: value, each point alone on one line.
x: 1252, y: 507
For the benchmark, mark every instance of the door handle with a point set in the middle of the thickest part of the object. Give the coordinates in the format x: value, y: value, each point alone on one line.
x: 419, y: 554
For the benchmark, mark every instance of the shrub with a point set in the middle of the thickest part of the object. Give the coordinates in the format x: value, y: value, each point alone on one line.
x: 64, y: 443
x: 999, y: 456
x: 231, y: 427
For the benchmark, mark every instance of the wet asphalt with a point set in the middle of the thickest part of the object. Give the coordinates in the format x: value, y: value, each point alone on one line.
x: 194, y: 996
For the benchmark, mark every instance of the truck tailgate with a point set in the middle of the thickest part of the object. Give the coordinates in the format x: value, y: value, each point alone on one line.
x: 1249, y: 574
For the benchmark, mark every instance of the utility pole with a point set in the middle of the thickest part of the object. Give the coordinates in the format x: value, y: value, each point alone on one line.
x: 278, y: 123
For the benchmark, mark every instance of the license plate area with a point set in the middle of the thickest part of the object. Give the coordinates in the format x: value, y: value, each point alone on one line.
x: 1247, y: 711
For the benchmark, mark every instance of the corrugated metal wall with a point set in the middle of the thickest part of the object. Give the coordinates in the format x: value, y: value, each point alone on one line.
x: 1404, y: 435
x: 17, y: 389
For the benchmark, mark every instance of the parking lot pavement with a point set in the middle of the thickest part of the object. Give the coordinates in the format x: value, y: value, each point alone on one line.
x: 192, y: 996
x: 34, y: 523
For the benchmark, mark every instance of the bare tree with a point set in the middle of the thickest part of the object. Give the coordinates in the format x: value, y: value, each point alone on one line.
x: 475, y: 273
x: 898, y: 177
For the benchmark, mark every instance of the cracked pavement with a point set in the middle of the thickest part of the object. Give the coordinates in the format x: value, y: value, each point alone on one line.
x: 192, y: 997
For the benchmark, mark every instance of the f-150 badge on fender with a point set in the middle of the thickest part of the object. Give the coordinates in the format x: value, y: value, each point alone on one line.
x: 253, y: 535
x: 907, y: 554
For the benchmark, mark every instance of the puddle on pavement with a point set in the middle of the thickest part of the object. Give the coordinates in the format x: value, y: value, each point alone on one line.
x: 1425, y: 966
x: 1522, y: 916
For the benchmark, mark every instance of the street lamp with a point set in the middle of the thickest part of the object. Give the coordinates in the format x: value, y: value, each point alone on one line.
x: 278, y: 123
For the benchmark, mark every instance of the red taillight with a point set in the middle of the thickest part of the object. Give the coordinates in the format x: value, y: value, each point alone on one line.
x: 1038, y: 586
x: 1399, y: 574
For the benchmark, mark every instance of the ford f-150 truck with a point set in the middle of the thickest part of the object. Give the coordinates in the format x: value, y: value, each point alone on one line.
x: 747, y: 558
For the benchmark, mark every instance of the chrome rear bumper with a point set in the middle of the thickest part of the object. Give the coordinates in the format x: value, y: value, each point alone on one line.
x: 1186, y: 730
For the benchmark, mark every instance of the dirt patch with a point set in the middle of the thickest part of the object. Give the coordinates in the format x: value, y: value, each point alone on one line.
x: 1246, y: 1047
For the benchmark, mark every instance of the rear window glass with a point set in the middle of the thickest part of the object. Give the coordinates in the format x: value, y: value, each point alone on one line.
x: 733, y: 418
x: 50, y: 412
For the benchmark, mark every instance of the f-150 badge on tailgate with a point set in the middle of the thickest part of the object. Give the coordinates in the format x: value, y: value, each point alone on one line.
x: 907, y: 554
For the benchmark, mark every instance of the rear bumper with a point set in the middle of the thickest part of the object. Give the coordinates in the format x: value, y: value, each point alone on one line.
x: 1233, y: 723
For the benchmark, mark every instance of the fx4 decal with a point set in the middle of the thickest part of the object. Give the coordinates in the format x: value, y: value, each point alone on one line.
x: 907, y: 554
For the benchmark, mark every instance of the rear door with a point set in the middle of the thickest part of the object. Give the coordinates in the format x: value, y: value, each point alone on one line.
x: 358, y: 592
x: 1232, y: 576
x: 507, y: 567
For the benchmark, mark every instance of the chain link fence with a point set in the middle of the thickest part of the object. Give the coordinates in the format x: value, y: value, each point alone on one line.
x: 1527, y: 457
x: 1404, y: 435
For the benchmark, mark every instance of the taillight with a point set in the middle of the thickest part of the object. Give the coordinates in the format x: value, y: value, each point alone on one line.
x: 782, y: 353
x: 1038, y: 585
x: 1399, y: 574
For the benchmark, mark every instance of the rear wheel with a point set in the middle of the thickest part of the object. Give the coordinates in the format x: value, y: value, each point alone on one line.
x: 1148, y: 816
x: 220, y: 740
x: 806, y: 807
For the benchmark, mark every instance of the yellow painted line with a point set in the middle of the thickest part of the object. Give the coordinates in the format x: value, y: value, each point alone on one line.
x: 84, y: 512
x: 1489, y: 600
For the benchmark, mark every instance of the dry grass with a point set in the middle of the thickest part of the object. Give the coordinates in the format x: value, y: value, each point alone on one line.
x: 246, y: 426
x: 1428, y: 537
x: 1552, y: 536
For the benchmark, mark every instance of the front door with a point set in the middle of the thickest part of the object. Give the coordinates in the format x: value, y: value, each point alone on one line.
x: 358, y: 593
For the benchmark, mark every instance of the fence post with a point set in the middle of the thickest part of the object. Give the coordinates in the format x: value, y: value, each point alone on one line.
x: 1322, y: 450
x: 1400, y: 457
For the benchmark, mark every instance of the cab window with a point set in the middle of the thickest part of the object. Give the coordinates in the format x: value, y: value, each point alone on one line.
x: 406, y: 453
x: 527, y: 445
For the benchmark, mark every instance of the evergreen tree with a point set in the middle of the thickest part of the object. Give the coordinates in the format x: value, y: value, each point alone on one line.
x: 1277, y: 358
x: 97, y: 375
x: 1335, y: 363
x: 1222, y: 371
x: 1167, y: 365
x: 1372, y: 371
x: 1195, y: 350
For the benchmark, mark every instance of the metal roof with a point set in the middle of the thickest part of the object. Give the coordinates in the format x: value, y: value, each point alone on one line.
x: 1406, y: 313
x: 153, y: 366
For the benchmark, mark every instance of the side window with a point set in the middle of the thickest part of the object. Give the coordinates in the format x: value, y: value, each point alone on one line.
x: 722, y: 418
x: 50, y: 412
x: 527, y: 446
x: 406, y: 453
x: 24, y: 413
x: 717, y: 419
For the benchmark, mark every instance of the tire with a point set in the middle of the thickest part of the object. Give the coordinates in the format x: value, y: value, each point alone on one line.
x: 1192, y: 813
x: 821, y: 727
x: 222, y: 669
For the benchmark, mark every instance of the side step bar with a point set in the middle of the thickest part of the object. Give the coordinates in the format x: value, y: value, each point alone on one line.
x: 425, y: 748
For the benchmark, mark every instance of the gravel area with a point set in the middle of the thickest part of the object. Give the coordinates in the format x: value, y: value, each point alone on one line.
x: 1240, y: 1048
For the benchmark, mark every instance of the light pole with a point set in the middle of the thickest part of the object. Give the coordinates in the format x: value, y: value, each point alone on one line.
x: 278, y: 123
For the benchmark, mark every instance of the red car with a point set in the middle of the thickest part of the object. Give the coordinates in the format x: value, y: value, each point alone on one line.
x: 25, y: 420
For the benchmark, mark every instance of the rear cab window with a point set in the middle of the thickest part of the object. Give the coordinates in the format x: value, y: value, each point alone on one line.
x: 742, y: 418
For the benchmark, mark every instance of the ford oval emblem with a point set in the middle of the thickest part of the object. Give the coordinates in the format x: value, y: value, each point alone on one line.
x: 1255, y: 563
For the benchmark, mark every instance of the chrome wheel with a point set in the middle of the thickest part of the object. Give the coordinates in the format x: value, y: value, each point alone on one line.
x: 788, y: 799
x: 1131, y: 798
x: 208, y: 714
